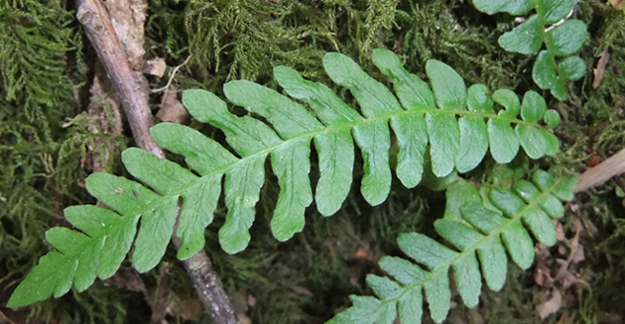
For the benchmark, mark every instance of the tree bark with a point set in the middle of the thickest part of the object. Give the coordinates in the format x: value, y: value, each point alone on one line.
x: 133, y: 90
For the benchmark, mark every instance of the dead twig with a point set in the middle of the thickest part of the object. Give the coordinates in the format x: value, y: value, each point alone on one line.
x: 163, y: 292
x: 210, y: 288
x: 5, y: 320
x: 133, y: 90
x: 131, y: 86
x: 601, y: 173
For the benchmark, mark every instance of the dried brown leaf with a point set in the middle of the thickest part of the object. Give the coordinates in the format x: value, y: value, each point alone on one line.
x: 568, y: 280
x: 251, y: 300
x: 542, y: 276
x: 301, y: 291
x: 550, y: 306
x: 155, y: 67
x: 362, y: 253
x: 595, y: 160
x: 578, y: 255
x: 577, y: 225
x: 243, y: 319
x: 128, y: 279
x: 189, y: 308
x: 559, y: 232
x: 617, y: 4
x: 172, y: 109
x: 600, y: 68
x: 162, y: 294
x: 577, y: 250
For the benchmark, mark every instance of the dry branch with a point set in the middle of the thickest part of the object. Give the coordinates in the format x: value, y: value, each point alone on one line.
x: 601, y: 173
x: 133, y: 90
x: 131, y: 86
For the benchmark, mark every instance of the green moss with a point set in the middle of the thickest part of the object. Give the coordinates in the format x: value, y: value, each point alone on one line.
x: 40, y: 159
x: 239, y: 39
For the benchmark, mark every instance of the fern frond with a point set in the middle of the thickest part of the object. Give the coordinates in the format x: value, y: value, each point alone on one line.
x: 80, y: 258
x: 555, y: 64
x: 481, y: 239
x: 447, y: 116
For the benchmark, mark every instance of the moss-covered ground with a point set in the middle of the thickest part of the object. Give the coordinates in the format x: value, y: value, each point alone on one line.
x: 46, y: 62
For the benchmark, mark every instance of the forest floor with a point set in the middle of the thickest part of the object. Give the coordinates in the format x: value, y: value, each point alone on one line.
x: 59, y: 122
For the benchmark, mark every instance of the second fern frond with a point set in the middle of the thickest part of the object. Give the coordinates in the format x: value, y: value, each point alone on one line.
x: 480, y: 240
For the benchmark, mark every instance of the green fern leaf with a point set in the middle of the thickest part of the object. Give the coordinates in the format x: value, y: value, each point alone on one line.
x: 81, y: 257
x: 480, y: 240
x: 458, y: 194
x: 561, y: 39
x: 448, y: 117
x: 518, y: 7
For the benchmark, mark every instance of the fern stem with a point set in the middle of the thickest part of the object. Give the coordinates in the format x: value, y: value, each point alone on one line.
x: 550, y: 50
x: 310, y: 135
x: 351, y: 125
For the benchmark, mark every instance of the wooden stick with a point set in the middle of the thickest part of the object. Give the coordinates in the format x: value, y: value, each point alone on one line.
x: 209, y: 287
x: 131, y: 86
x: 132, y: 89
x: 162, y: 294
x: 601, y: 173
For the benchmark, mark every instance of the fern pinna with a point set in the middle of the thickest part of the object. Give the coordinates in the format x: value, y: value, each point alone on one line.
x: 457, y: 125
x: 480, y: 232
x: 550, y: 25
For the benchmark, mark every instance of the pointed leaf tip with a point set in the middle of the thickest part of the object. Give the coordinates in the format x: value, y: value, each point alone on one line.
x: 202, y: 104
x: 339, y: 66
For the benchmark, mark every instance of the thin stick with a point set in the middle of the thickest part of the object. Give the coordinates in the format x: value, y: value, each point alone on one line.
x: 601, y: 173
x: 209, y: 287
x: 162, y: 294
x: 132, y: 89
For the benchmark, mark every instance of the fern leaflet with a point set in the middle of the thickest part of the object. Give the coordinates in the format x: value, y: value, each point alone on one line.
x: 480, y: 238
x: 448, y: 117
x: 562, y: 37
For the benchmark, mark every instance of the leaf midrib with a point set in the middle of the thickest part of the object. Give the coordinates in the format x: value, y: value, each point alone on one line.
x: 445, y: 266
x: 311, y: 134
